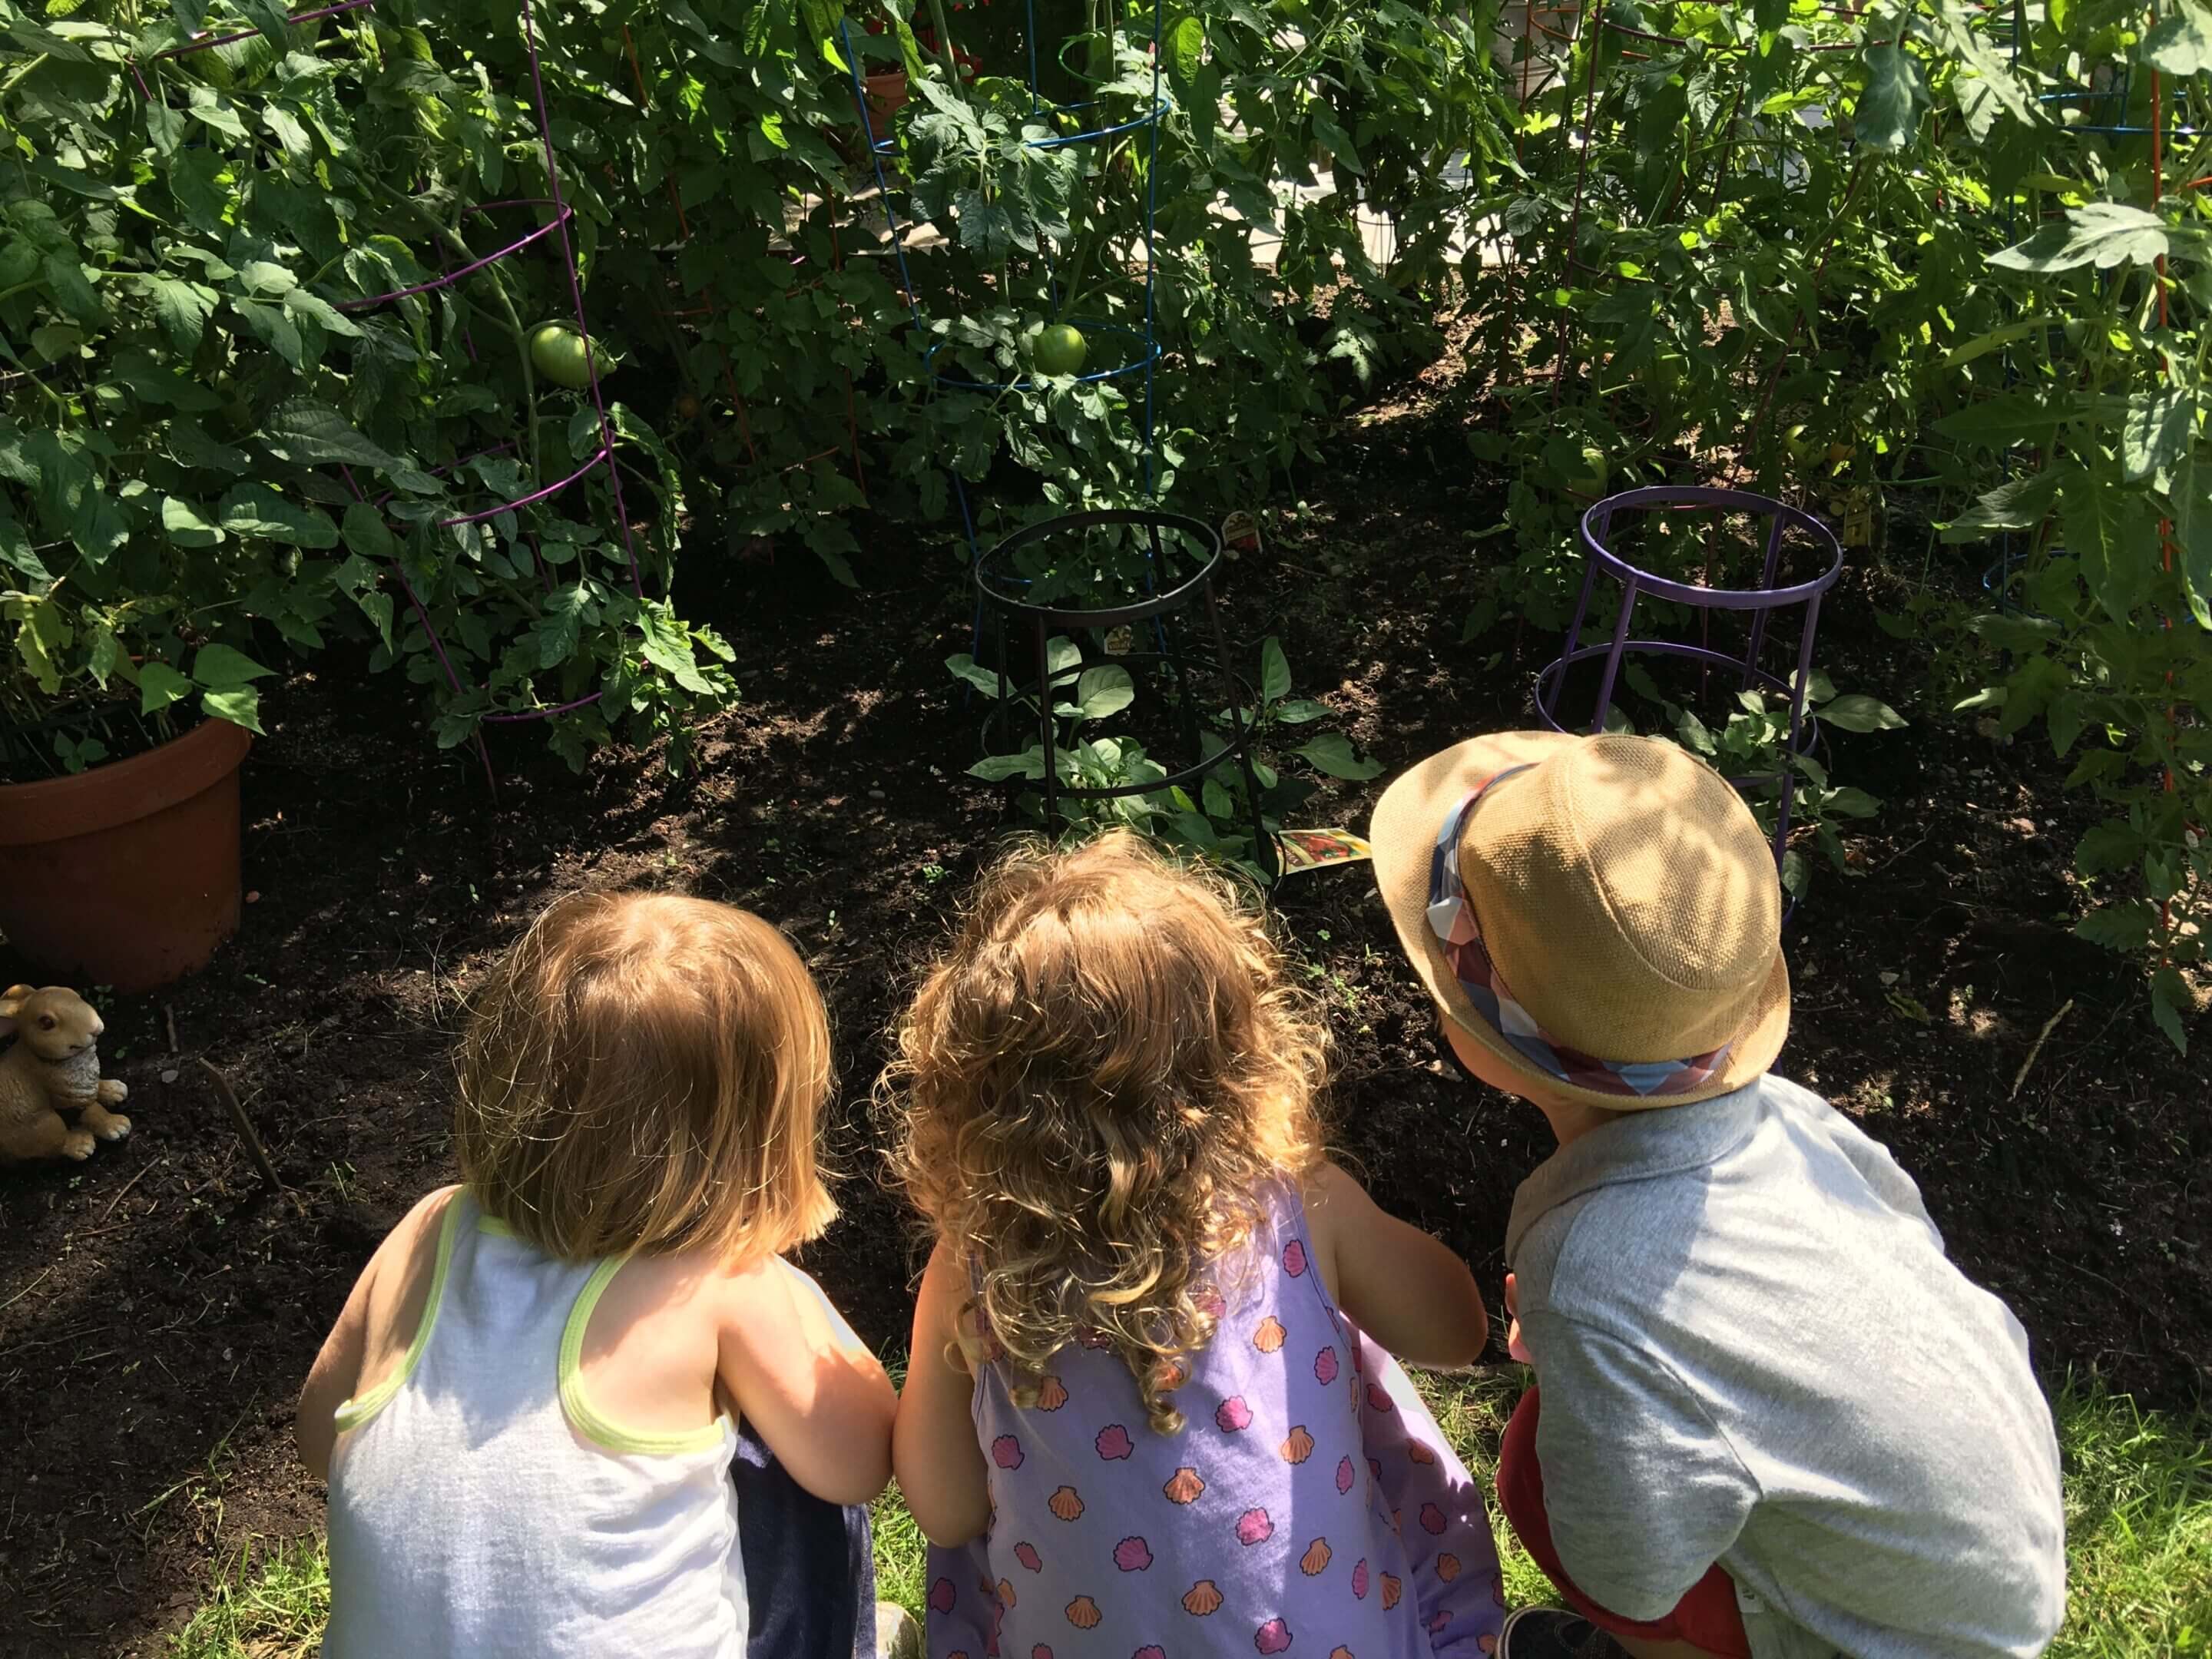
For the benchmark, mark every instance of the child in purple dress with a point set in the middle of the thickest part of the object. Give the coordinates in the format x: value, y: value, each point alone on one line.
x: 1151, y: 1410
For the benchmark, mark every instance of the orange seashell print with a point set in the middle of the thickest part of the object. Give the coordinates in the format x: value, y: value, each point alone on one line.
x: 1391, y: 1590
x: 1299, y: 1447
x: 1203, y: 1599
x: 1006, y: 1594
x: 1173, y: 1374
x: 1419, y: 1453
x: 1315, y: 1561
x: 1052, y: 1394
x: 1269, y: 1337
x: 1184, y: 1487
x: 1341, y: 1653
x: 1083, y: 1613
x: 1066, y: 1503
x: 1448, y: 1567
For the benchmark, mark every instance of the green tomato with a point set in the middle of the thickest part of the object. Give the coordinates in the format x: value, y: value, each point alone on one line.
x: 1801, y: 447
x: 1662, y: 375
x: 1059, y: 350
x: 557, y: 352
x: 1591, y: 480
x: 2076, y: 331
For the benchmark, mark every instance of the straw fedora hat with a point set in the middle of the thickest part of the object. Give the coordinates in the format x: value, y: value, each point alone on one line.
x: 1601, y: 913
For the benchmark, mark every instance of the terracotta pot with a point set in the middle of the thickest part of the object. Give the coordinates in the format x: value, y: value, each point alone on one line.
x: 887, y: 96
x: 127, y: 875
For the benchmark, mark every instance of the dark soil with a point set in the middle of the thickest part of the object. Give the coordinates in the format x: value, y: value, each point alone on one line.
x: 158, y: 1309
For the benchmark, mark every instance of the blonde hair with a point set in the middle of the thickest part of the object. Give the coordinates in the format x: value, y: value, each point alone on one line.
x: 644, y: 1072
x: 1097, y: 1085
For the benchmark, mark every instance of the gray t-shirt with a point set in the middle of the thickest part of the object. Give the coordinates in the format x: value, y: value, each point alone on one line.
x: 1752, y: 1349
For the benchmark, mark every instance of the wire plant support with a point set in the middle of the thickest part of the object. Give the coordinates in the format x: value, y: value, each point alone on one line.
x: 559, y: 216
x: 1759, y: 602
x: 1142, y: 350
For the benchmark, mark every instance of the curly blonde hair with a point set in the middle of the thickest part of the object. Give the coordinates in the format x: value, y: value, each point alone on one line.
x: 1097, y: 1085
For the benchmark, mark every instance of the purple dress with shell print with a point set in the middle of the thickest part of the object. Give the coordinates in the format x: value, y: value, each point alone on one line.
x: 1310, y: 1505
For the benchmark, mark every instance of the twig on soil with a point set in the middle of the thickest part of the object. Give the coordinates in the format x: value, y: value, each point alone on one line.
x: 169, y: 1014
x: 2048, y: 1026
x: 127, y: 1186
x: 245, y: 1126
x: 26, y: 1290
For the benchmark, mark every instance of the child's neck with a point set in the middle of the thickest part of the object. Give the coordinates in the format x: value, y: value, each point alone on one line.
x: 1570, y: 1119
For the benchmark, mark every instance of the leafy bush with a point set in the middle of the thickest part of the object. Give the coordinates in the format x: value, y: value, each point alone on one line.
x: 213, y: 433
x: 1901, y: 259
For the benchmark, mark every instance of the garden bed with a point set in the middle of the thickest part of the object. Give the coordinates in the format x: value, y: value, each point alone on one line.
x: 157, y: 1310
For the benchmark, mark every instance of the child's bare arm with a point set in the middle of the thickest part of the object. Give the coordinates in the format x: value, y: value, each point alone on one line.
x: 941, y: 1466
x: 390, y: 1293
x: 330, y: 1380
x: 806, y: 1382
x: 1411, y: 1292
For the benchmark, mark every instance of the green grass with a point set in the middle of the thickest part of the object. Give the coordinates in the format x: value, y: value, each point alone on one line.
x: 272, y: 1607
x: 2138, y: 1522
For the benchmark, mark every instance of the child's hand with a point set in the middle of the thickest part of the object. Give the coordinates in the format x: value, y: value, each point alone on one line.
x: 1514, y: 1346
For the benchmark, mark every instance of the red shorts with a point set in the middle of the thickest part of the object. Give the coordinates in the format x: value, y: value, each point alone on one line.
x: 1706, y: 1618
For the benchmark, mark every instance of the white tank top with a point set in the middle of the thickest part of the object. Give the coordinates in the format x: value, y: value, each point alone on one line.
x: 481, y: 1509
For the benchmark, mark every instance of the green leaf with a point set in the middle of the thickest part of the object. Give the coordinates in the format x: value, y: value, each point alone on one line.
x: 240, y: 706
x: 2191, y: 493
x: 158, y: 685
x: 1274, y: 671
x: 1061, y: 653
x: 2100, y: 233
x: 2125, y: 926
x: 2016, y: 504
x: 2113, y: 534
x: 72, y: 291
x: 309, y: 433
x: 2000, y: 422
x: 2156, y: 431
x: 996, y: 769
x: 1857, y: 711
x: 965, y: 667
x: 367, y: 533
x: 183, y: 309
x: 1982, y: 344
x: 1897, y: 95
x: 1297, y: 711
x: 99, y: 526
x: 185, y: 526
x: 220, y: 668
x: 668, y: 646
x: 1185, y: 45
x: 17, y: 552
x: 256, y: 509
x: 1852, y: 803
x: 1332, y: 752
x: 1819, y: 688
x: 1102, y: 691
x: 2180, y: 43
x: 2169, y: 997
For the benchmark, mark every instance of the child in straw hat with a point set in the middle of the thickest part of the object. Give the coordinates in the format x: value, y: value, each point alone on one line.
x: 1776, y: 1422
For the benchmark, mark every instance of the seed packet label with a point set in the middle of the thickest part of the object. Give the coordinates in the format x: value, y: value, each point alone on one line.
x: 1240, y: 533
x: 1315, y: 849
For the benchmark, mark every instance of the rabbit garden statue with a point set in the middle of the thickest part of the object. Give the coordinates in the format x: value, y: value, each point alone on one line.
x: 53, y: 1067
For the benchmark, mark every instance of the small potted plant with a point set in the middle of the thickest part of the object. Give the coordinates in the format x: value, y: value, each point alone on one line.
x: 125, y: 711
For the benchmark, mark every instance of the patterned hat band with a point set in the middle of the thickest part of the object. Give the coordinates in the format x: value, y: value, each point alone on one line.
x: 1452, y: 919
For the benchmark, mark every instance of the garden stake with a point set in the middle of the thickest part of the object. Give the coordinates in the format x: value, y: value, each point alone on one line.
x: 2036, y: 1048
x: 228, y: 1096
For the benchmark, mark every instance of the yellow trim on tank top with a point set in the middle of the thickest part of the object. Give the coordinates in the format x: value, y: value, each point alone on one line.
x: 602, y: 1431
x: 494, y: 1226
x: 352, y: 1414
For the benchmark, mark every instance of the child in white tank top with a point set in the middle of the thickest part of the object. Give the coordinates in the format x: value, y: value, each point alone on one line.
x: 527, y: 1410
